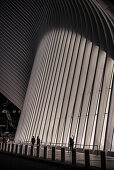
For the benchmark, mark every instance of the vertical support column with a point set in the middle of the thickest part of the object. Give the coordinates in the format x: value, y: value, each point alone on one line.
x: 38, y: 151
x: 26, y: 149
x: 45, y: 152
x: 103, y: 160
x: 5, y: 147
x: 21, y: 149
x: 12, y: 148
x: 53, y: 153
x: 87, y: 158
x: 9, y: 147
x: 74, y: 156
x: 16, y: 149
x: 62, y: 154
x: 31, y: 152
x: 0, y: 145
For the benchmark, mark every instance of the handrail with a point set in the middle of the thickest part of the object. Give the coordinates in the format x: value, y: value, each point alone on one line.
x: 81, y: 146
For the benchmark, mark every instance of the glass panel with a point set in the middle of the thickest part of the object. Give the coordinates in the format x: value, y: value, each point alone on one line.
x: 112, y: 148
x: 59, y: 93
x: 75, y: 134
x: 55, y: 94
x: 103, y: 102
x: 103, y: 132
x: 68, y: 135
x: 84, y: 132
x: 93, y: 132
x: 75, y: 83
x: 73, y: 86
x: 66, y: 86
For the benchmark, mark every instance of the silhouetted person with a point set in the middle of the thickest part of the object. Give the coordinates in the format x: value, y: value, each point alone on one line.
x: 33, y: 140
x: 38, y: 141
x: 71, y: 141
x: 4, y: 139
x: 7, y: 140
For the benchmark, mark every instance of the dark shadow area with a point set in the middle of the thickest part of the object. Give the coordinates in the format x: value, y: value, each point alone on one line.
x: 12, y: 162
x: 9, y: 117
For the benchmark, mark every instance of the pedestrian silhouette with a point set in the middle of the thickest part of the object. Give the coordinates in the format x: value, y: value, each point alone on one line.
x: 4, y: 139
x: 38, y: 141
x: 71, y: 142
x: 33, y: 140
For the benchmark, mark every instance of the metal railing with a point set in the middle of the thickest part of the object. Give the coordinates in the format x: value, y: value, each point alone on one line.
x: 94, y: 148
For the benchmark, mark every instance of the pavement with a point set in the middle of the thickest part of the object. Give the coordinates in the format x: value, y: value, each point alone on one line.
x: 18, y: 163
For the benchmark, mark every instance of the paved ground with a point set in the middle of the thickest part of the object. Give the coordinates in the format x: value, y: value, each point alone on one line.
x: 7, y: 161
x: 11, y: 162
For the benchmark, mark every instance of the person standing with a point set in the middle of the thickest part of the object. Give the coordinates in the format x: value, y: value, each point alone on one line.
x: 71, y: 142
x: 38, y: 141
x: 4, y: 139
x: 33, y: 140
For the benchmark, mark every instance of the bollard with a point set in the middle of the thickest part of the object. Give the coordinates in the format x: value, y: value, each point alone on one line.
x: 87, y: 158
x: 38, y: 151
x: 74, y: 156
x: 53, y: 153
x: 12, y: 148
x: 9, y: 147
x: 26, y: 149
x: 45, y: 152
x: 5, y: 147
x: 103, y: 160
x: 62, y: 154
x: 16, y: 149
x: 31, y: 152
x: 21, y: 149
x: 0, y: 146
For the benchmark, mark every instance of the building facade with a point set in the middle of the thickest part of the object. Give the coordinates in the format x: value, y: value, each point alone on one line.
x: 69, y: 86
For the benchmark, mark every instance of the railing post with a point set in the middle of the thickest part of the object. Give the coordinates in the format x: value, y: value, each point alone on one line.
x: 12, y: 148
x: 53, y: 153
x: 21, y: 149
x: 5, y: 147
x: 9, y: 147
x: 26, y: 149
x: 38, y: 151
x: 74, y: 156
x: 31, y: 152
x: 62, y: 154
x: 16, y: 149
x: 103, y: 160
x: 45, y: 152
x: 87, y: 158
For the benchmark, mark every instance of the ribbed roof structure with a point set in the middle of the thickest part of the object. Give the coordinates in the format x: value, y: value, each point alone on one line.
x: 23, y: 24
